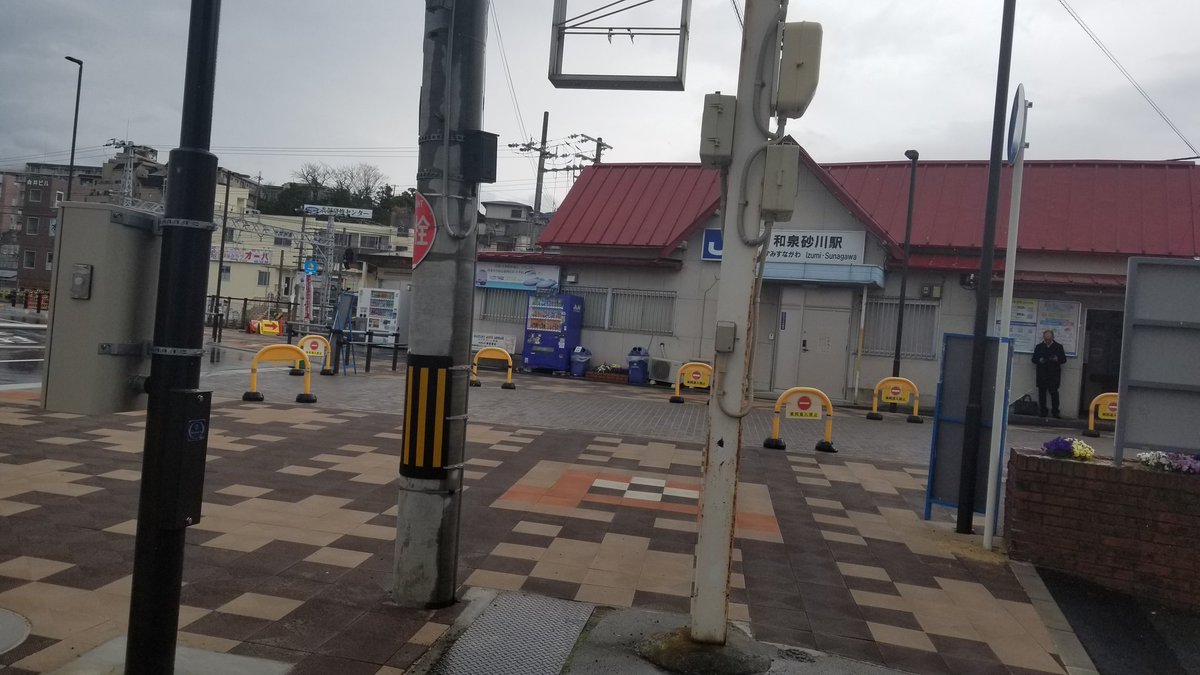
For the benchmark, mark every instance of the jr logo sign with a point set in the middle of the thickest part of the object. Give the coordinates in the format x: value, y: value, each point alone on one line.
x: 713, y: 245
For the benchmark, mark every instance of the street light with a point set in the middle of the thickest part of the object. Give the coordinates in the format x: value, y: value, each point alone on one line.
x: 75, y: 124
x: 912, y: 155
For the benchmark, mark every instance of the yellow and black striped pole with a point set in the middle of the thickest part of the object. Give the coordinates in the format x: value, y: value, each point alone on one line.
x: 426, y: 402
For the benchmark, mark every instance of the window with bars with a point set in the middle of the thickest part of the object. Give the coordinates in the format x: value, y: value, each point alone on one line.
x: 264, y: 278
x: 33, y: 225
x: 595, y: 305
x: 920, y: 328
x: 642, y: 311
x: 283, y: 238
x: 504, y: 304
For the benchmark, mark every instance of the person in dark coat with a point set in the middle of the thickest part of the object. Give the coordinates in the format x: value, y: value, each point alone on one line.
x: 1049, y: 357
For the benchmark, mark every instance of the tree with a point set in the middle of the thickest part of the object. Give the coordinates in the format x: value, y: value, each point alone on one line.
x: 359, y: 185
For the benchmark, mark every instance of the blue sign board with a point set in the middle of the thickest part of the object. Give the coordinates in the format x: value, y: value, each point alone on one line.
x: 714, y: 243
x: 310, y: 267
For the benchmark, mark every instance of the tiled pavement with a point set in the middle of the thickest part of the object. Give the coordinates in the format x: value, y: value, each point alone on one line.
x: 292, y: 558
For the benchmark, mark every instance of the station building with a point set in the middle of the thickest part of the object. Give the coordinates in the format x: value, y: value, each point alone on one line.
x: 641, y: 243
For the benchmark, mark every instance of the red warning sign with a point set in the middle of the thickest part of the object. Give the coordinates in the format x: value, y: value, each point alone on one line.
x: 804, y: 409
x: 424, y: 228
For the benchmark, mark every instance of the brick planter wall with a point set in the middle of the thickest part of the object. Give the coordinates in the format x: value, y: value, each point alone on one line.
x: 1130, y: 529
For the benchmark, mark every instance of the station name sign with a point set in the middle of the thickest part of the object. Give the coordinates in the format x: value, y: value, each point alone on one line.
x: 823, y: 247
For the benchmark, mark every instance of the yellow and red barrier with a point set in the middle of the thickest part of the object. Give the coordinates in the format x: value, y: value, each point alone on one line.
x: 802, y: 406
x: 280, y: 354
x: 315, y: 347
x: 694, y: 375
x: 899, y: 391
x: 492, y: 353
x: 1103, y: 407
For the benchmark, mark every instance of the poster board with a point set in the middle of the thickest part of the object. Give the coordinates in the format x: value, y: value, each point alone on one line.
x: 1031, y: 317
x: 949, y: 424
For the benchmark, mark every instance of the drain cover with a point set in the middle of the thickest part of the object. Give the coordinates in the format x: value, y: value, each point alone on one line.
x: 14, y: 628
x: 521, y: 634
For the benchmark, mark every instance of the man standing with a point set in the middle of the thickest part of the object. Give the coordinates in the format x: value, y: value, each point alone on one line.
x: 1049, y: 357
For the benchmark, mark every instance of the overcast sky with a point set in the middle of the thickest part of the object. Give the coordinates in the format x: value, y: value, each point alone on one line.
x: 305, y: 81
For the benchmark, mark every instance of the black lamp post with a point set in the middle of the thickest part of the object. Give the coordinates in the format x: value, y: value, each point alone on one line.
x: 75, y: 124
x: 912, y: 155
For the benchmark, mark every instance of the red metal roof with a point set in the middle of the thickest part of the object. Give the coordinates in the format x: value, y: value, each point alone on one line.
x: 1069, y: 279
x: 1111, y: 207
x: 556, y: 259
x: 634, y: 205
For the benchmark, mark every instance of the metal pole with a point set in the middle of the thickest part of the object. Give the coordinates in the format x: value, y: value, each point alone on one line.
x: 913, y: 155
x: 1002, y: 381
x: 177, y: 415
x: 735, y: 305
x: 75, y: 124
x: 300, y: 256
x: 983, y: 290
x: 430, y: 495
x: 541, y: 170
x: 221, y: 253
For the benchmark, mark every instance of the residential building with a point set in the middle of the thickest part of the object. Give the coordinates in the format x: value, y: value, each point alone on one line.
x: 42, y: 187
x: 508, y: 226
x: 264, y: 254
x: 641, y: 243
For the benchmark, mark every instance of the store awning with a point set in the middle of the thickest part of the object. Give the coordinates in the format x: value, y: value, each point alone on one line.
x: 856, y: 275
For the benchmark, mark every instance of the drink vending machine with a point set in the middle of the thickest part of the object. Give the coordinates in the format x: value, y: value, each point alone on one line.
x: 552, y: 327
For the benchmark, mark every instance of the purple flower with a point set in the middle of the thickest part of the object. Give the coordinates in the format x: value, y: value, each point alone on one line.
x: 1059, y: 447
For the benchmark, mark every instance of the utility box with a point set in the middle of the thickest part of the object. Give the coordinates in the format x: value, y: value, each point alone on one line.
x: 799, y: 68
x: 716, y: 129
x: 102, y: 298
x: 781, y: 176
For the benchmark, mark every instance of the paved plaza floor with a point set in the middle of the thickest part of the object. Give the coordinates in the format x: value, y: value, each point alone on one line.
x: 574, y: 490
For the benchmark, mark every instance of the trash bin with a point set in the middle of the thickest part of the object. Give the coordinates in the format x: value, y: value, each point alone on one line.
x: 580, y: 360
x: 638, y: 363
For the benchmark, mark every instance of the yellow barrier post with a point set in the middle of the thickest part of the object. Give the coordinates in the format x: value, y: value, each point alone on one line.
x: 315, y: 346
x: 492, y: 353
x: 896, y: 390
x: 694, y: 375
x: 1103, y: 406
x: 804, y: 410
x: 280, y: 354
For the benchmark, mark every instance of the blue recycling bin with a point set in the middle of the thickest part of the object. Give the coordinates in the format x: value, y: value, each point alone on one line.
x: 638, y: 363
x: 580, y: 360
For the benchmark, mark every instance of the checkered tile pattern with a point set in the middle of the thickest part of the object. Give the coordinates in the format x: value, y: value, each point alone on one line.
x: 292, y: 559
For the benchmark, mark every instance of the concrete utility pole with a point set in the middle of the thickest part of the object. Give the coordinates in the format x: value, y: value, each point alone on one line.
x: 177, y: 415
x: 735, y: 306
x: 435, y: 423
x: 537, y: 198
x: 601, y: 146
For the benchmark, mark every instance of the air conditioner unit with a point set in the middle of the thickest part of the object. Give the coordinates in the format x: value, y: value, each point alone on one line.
x: 663, y: 370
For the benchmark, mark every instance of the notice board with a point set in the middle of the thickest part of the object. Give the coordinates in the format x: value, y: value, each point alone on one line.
x: 1031, y: 317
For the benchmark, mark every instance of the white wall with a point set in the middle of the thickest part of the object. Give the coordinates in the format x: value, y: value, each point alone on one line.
x: 695, y: 286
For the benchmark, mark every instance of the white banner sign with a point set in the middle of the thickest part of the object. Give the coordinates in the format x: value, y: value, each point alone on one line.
x: 317, y: 210
x: 242, y: 255
x: 480, y: 340
x: 516, y: 276
x: 822, y: 247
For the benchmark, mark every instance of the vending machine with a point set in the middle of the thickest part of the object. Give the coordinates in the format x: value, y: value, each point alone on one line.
x: 385, y: 311
x: 552, y: 327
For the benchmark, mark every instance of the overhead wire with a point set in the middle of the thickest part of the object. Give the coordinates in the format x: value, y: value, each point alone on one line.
x: 1116, y: 62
